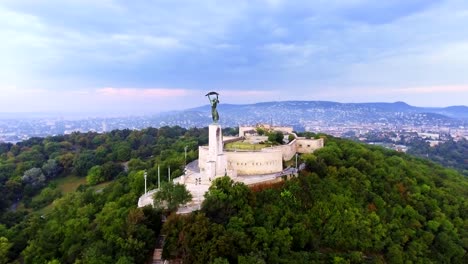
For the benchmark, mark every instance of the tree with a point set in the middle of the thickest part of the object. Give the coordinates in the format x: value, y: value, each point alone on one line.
x: 276, y: 137
x: 4, y: 248
x: 94, y: 175
x: 83, y: 162
x: 34, y: 177
x: 260, y: 131
x: 51, y: 169
x: 123, y: 151
x: 172, y: 196
x: 110, y: 170
x: 225, y: 199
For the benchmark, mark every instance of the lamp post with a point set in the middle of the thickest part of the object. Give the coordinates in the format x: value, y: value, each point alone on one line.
x: 159, y: 178
x: 145, y: 180
x: 296, y: 162
x: 185, y: 149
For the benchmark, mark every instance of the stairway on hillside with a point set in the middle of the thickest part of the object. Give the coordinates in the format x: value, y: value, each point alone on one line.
x: 157, y: 256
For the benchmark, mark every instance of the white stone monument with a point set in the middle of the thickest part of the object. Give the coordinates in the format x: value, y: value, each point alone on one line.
x: 216, y: 164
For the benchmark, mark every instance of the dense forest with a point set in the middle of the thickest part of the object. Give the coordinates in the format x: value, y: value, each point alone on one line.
x: 353, y: 203
x: 453, y: 154
x: 90, y: 225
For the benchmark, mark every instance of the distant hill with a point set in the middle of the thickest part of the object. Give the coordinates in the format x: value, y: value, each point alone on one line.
x: 302, y: 114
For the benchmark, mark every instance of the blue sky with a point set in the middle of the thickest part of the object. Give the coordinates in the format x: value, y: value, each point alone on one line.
x: 116, y: 56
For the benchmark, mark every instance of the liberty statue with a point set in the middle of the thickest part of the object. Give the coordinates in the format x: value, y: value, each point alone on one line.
x: 214, y: 103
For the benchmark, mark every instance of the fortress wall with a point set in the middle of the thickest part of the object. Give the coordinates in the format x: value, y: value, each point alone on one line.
x: 288, y: 151
x: 227, y: 140
x: 284, y: 129
x: 252, y: 163
x: 242, y: 130
x: 309, y: 145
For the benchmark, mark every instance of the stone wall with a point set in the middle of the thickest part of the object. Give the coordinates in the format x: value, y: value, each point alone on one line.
x: 266, y: 161
x: 308, y: 145
x: 253, y: 163
x: 284, y: 129
x: 288, y: 151
x: 243, y: 129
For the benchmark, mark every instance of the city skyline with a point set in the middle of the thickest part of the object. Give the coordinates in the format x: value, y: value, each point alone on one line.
x: 124, y: 57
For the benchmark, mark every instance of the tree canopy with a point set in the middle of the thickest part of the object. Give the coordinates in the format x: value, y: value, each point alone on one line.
x: 353, y: 203
x: 170, y: 196
x: 91, y: 224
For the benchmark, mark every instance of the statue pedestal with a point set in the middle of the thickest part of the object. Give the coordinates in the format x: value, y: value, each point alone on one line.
x: 216, y: 162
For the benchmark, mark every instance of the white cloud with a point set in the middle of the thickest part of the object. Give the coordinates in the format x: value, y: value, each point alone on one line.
x: 126, y: 93
x: 290, y: 55
x: 239, y: 45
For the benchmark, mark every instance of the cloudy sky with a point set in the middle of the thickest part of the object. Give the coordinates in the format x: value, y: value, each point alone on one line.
x: 119, y: 56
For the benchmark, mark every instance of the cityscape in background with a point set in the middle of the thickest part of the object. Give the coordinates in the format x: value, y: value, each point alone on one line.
x: 390, y: 125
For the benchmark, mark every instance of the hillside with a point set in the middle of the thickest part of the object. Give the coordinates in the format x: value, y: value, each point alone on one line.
x: 301, y: 114
x: 353, y: 204
x: 53, y: 209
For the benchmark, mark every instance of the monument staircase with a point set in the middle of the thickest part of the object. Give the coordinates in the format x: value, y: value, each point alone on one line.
x: 157, y: 253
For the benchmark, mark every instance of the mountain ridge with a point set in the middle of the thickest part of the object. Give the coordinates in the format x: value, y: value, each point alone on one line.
x: 302, y: 114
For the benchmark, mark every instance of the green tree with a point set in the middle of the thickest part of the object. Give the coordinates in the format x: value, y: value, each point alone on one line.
x: 34, y: 177
x: 171, y: 196
x: 5, y: 246
x: 83, y: 162
x: 94, y: 175
x: 225, y: 199
x: 51, y: 169
x: 260, y: 131
x: 276, y: 137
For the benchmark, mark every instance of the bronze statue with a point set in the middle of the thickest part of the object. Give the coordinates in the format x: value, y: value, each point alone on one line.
x: 214, y: 103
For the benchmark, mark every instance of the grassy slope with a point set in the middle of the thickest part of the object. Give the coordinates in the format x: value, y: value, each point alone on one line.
x: 67, y: 185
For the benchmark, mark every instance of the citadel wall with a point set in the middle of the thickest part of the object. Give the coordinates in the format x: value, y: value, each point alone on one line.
x: 284, y: 129
x: 308, y: 145
x: 247, y: 162
x: 253, y: 163
x: 288, y: 151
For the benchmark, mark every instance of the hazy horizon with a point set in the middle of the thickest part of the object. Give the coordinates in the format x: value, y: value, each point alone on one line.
x: 121, y: 57
x: 103, y: 114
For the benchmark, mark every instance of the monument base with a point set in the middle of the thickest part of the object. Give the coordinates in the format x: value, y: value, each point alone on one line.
x: 216, y: 164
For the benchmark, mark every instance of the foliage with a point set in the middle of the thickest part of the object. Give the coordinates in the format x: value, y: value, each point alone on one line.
x: 171, y: 196
x: 4, y: 247
x: 276, y: 137
x: 225, y: 199
x: 83, y: 162
x: 94, y: 175
x: 51, y: 169
x: 45, y: 197
x: 453, y: 154
x: 90, y: 225
x: 260, y: 131
x: 34, y: 178
x: 353, y: 203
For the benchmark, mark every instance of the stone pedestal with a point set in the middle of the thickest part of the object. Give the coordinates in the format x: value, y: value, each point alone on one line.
x: 216, y: 162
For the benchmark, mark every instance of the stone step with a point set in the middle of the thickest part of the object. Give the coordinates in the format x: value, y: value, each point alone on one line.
x: 157, y: 256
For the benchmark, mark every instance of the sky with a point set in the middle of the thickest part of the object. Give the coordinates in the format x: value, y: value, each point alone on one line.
x: 134, y: 57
